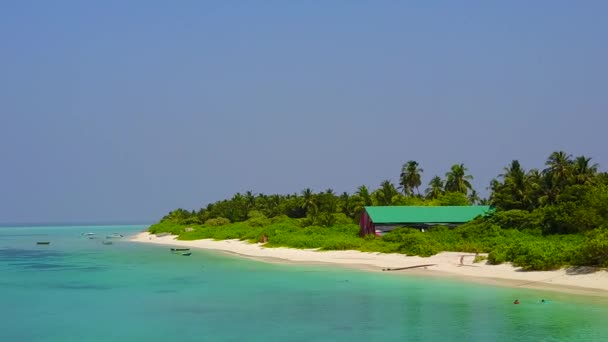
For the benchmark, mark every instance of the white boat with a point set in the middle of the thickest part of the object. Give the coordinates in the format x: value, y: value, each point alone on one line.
x: 114, y: 236
x: 88, y: 234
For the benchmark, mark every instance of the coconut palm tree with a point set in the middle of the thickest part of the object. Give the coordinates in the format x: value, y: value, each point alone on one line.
x: 583, y: 172
x: 410, y: 177
x: 435, y: 188
x: 474, y: 198
x: 559, y: 164
x: 363, y: 192
x: 457, y: 180
x: 516, y: 184
x: 309, y: 202
x: 250, y: 199
x: 384, y: 195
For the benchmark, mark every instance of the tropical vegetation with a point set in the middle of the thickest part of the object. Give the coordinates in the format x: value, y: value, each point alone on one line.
x: 542, y: 219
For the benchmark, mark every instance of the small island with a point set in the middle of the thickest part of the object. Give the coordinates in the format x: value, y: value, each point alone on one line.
x: 551, y: 220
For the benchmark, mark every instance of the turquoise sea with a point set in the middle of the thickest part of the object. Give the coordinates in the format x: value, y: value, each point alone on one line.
x: 78, y: 289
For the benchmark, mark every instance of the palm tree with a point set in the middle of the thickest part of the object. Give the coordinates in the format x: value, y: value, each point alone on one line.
x: 384, y: 195
x: 364, y: 194
x: 474, y: 198
x: 457, y: 180
x: 344, y: 201
x: 549, y: 189
x: 250, y: 199
x: 516, y: 184
x: 435, y: 188
x: 583, y: 171
x: 534, y: 179
x: 309, y: 202
x: 559, y: 164
x: 410, y: 177
x: 273, y: 202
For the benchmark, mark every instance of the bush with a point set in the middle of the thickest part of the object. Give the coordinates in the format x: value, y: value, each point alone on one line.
x: 166, y: 227
x: 594, y: 249
x: 517, y: 219
x: 216, y: 222
x: 536, y: 255
x: 479, y: 258
x: 498, y: 256
x: 257, y: 219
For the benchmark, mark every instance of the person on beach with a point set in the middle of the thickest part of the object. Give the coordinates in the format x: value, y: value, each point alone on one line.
x: 516, y: 301
x: 462, y: 259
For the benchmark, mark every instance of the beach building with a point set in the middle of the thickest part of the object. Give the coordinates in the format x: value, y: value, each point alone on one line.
x: 379, y: 220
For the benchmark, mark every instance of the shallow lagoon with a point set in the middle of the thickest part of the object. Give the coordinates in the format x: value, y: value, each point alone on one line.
x: 78, y: 289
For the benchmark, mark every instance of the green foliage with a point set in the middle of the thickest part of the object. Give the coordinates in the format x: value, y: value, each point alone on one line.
x: 216, y: 222
x: 452, y: 198
x: 257, y: 219
x: 166, y: 227
x: 594, y: 250
x: 480, y: 258
x: 413, y: 242
x: 518, y: 219
x: 543, y: 219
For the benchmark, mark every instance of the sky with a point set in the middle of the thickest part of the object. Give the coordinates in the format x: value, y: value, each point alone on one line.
x: 120, y: 111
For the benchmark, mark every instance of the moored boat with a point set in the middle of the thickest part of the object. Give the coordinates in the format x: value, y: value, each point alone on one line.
x: 187, y: 254
x: 114, y: 236
x: 106, y: 242
x: 88, y: 234
x: 43, y: 243
x: 179, y: 249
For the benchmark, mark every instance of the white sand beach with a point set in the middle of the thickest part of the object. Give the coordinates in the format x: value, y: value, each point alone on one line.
x: 585, y: 281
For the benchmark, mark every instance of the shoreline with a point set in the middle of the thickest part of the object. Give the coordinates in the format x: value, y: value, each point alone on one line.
x: 580, y: 281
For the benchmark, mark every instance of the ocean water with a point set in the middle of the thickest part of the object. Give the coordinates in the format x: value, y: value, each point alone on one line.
x: 78, y: 289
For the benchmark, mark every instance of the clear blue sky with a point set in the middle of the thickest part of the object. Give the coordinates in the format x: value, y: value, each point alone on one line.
x: 124, y: 110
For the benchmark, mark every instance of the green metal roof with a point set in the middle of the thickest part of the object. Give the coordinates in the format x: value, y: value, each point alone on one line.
x: 414, y: 214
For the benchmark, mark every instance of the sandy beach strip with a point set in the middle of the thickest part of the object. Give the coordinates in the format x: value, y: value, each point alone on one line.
x: 584, y: 281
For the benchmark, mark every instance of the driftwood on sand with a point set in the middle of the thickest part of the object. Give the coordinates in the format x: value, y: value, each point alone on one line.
x: 406, y: 268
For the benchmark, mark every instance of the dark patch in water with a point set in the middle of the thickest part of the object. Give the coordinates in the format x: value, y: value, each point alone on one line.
x: 198, y: 310
x: 92, y: 268
x: 16, y: 254
x: 166, y: 291
x: 343, y: 328
x: 47, y: 266
x: 41, y: 266
x: 77, y: 286
x: 186, y: 280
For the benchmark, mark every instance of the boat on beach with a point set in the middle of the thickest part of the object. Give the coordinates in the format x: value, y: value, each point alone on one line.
x: 43, y: 243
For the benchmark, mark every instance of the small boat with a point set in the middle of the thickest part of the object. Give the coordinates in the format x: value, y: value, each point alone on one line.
x: 92, y: 237
x: 43, y: 243
x: 114, y: 236
x: 105, y: 242
x: 187, y: 254
x: 179, y: 249
x: 88, y: 234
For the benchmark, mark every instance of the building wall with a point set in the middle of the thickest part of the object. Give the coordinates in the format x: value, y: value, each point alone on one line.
x: 366, y: 226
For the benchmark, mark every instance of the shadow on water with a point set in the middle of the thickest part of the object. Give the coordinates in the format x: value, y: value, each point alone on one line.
x: 17, y: 254
x: 166, y: 291
x: 80, y: 286
x: 42, y: 260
